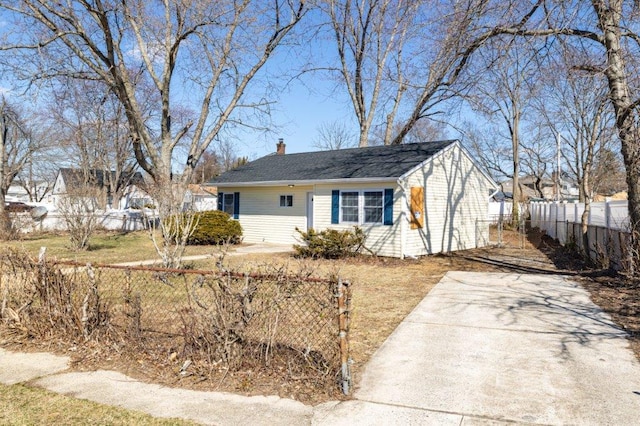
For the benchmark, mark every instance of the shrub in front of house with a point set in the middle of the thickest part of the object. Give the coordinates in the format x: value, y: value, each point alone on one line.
x: 330, y: 243
x: 215, y: 227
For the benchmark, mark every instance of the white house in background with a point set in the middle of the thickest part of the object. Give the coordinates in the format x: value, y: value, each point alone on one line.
x: 69, y: 181
x: 411, y: 200
x: 200, y: 198
x: 16, y: 193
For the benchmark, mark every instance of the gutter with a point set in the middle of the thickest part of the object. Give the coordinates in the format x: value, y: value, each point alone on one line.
x: 307, y: 182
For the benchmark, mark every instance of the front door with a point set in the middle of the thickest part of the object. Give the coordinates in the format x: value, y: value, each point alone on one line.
x: 309, y: 210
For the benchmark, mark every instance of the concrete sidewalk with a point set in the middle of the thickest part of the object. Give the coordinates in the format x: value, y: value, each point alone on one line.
x: 479, y: 349
x: 266, y: 248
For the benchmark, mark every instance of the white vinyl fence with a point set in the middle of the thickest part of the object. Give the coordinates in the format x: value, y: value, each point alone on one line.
x: 607, y: 230
x: 114, y: 220
x: 498, y: 210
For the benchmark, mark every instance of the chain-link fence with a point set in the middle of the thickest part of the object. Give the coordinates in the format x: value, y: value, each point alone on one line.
x: 216, y: 316
x: 494, y: 233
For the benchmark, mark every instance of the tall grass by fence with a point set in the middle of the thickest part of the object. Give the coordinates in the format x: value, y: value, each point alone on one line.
x: 212, y: 317
x: 607, y: 236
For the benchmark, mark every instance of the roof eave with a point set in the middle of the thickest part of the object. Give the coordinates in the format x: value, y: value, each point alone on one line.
x: 305, y: 182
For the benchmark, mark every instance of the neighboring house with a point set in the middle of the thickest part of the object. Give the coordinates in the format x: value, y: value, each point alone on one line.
x: 530, y: 188
x: 93, y: 184
x: 411, y: 199
x: 16, y: 193
x: 200, y: 198
x: 533, y: 188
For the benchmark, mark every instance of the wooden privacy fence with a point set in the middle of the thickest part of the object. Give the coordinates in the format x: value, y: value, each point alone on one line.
x: 219, y: 316
x: 607, y: 236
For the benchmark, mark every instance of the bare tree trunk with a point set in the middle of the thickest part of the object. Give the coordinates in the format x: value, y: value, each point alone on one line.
x: 5, y: 220
x: 515, y: 146
x: 609, y: 16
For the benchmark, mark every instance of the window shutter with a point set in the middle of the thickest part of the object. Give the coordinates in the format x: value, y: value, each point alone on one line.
x: 220, y: 198
x: 388, y: 206
x: 236, y: 205
x: 335, y: 206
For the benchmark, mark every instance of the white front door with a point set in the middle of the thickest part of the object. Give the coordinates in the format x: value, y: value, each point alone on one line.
x: 309, y: 210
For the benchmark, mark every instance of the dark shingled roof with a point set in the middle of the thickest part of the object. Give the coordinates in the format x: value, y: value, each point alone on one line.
x: 75, y: 178
x: 390, y: 161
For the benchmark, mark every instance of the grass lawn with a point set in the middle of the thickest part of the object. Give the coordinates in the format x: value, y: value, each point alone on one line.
x: 384, y: 292
x: 105, y: 247
x: 21, y: 405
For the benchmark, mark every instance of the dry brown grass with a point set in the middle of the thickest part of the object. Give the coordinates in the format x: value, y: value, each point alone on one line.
x: 385, y: 290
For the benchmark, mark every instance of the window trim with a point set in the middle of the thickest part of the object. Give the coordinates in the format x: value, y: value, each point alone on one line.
x: 381, y: 207
x: 361, y: 206
x: 340, y: 206
x: 284, y: 197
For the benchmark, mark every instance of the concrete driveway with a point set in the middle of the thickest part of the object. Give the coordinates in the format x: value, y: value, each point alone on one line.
x: 487, y: 348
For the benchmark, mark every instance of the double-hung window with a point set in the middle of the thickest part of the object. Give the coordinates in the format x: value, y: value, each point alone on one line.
x: 350, y: 206
x: 373, y: 206
x: 362, y: 207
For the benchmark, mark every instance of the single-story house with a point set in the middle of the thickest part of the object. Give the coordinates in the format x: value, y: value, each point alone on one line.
x: 411, y: 200
x: 98, y: 185
x: 200, y: 198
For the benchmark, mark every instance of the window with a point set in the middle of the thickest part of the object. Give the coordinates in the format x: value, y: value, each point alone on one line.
x: 362, y: 206
x: 373, y: 206
x: 286, y: 201
x: 349, y: 211
x: 359, y: 207
x: 228, y: 203
x: 140, y: 203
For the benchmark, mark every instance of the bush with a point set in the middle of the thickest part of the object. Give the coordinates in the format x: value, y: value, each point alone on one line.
x: 215, y: 227
x: 330, y: 243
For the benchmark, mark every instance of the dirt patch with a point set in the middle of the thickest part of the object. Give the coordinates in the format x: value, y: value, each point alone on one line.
x: 620, y: 298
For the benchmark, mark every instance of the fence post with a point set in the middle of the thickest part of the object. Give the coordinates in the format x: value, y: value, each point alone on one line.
x: 344, y: 302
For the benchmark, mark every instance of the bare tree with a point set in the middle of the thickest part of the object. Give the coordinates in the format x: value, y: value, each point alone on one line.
x: 606, y: 34
x: 608, y: 172
x: 208, y: 167
x: 78, y: 210
x: 90, y: 127
x: 574, y: 105
x: 37, y: 178
x: 17, y: 146
x: 334, y: 135
x: 503, y: 96
x: 369, y: 37
x: 399, y: 60
x: 206, y: 53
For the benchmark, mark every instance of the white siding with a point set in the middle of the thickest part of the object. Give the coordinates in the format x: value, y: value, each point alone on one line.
x: 456, y: 198
x: 383, y: 240
x: 262, y: 218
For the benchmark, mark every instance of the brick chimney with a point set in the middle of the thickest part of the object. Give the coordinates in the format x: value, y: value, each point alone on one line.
x: 280, y: 147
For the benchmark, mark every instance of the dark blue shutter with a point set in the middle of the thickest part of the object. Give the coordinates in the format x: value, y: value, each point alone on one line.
x: 335, y: 206
x: 388, y: 206
x: 236, y: 205
x: 220, y: 198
